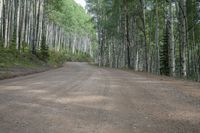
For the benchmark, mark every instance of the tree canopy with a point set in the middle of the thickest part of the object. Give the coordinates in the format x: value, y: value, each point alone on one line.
x: 72, y: 17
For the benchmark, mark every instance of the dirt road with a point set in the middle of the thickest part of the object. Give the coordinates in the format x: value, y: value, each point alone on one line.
x: 80, y: 98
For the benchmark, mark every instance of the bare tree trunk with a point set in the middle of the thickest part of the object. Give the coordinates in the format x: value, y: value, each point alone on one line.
x: 1, y: 18
x: 127, y: 33
x: 6, y: 24
x: 183, y: 22
x: 143, y: 17
x: 157, y: 41
x: 171, y: 42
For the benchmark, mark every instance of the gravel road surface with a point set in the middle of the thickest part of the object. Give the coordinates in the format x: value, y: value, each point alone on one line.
x: 80, y: 98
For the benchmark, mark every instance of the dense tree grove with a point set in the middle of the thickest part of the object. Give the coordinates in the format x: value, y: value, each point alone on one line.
x: 157, y: 36
x: 36, y: 24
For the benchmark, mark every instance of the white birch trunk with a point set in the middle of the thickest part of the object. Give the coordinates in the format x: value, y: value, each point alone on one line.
x: 171, y: 42
x: 18, y: 21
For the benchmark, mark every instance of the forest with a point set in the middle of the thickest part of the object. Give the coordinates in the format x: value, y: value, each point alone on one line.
x: 156, y: 36
x: 45, y: 29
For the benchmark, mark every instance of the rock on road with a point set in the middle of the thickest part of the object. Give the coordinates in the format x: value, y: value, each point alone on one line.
x: 80, y: 98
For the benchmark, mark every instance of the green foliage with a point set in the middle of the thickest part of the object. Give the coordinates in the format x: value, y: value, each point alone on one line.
x: 58, y: 58
x: 54, y: 5
x: 44, y: 51
x: 81, y: 57
x: 73, y: 18
x: 13, y: 58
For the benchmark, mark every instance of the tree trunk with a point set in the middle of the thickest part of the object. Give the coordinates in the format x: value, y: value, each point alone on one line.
x: 157, y: 41
x: 183, y: 29
x: 127, y: 34
x: 143, y: 17
x: 171, y: 42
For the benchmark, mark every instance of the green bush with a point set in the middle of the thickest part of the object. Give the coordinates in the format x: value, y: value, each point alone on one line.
x: 13, y: 58
x: 58, y: 58
x: 81, y: 57
x: 43, y: 53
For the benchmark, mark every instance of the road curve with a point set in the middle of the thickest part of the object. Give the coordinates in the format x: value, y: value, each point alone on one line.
x: 80, y: 98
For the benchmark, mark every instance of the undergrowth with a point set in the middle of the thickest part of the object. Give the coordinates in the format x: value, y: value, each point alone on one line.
x: 13, y: 58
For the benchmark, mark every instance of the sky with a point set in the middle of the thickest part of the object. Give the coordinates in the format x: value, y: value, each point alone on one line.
x: 81, y: 2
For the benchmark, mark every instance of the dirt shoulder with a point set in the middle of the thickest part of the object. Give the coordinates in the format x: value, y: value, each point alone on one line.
x: 6, y: 73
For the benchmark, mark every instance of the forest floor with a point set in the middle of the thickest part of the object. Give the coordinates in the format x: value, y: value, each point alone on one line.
x: 80, y: 98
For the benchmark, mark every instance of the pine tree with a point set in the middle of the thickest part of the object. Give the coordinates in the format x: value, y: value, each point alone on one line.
x: 164, y: 54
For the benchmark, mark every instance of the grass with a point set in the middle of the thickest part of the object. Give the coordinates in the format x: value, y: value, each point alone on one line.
x: 12, y: 58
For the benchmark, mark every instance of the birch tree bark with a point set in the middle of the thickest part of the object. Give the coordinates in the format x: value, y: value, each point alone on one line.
x: 171, y: 41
